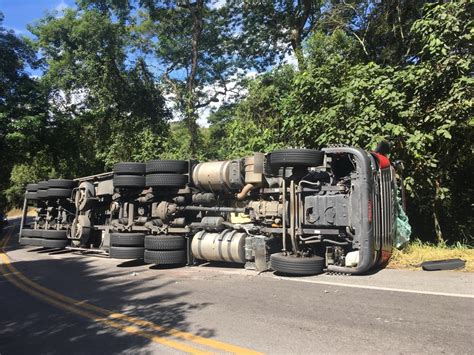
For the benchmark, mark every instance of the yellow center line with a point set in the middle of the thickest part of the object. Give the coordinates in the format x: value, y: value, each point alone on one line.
x: 128, y: 329
x: 116, y: 315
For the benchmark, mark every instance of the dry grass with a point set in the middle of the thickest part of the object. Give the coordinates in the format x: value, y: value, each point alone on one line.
x: 17, y: 212
x: 417, y: 252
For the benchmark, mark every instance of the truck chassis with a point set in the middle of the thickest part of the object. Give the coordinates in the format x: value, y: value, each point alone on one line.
x: 295, y: 211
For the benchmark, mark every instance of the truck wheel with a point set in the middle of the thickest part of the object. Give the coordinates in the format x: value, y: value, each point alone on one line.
x: 43, y: 185
x: 126, y: 252
x: 54, y: 243
x: 31, y: 195
x: 296, y: 157
x: 54, y: 234
x: 292, y: 265
x: 165, y: 257
x: 31, y: 233
x: 61, y: 183
x: 42, y: 189
x: 38, y: 242
x: 58, y: 193
x: 165, y: 242
x: 32, y: 187
x: 169, y: 180
x: 42, y: 194
x: 167, y: 166
x: 127, y: 239
x: 129, y: 181
x: 129, y: 168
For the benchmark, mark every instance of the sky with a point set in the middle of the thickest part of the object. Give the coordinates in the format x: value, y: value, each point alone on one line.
x: 19, y: 13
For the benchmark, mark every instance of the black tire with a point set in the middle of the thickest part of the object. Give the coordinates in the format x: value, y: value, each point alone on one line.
x: 129, y: 181
x: 31, y: 233
x: 126, y: 252
x: 296, y: 157
x: 42, y: 185
x: 291, y: 265
x: 42, y: 194
x: 38, y: 242
x: 51, y: 234
x: 165, y: 257
x: 129, y: 168
x: 32, y: 187
x: 58, y: 193
x: 167, y: 166
x: 61, y: 183
x: 31, y: 195
x: 127, y: 239
x: 54, y: 243
x: 165, y: 242
x: 168, y: 180
x: 449, y: 264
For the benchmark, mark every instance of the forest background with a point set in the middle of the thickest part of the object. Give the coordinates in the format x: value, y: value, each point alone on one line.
x: 119, y: 80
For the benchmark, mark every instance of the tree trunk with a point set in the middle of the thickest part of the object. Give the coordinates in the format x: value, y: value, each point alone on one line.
x: 297, y: 48
x: 437, y: 226
x: 190, y: 114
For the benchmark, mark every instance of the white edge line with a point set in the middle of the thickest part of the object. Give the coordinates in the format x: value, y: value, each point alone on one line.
x: 459, y: 295
x: 368, y: 287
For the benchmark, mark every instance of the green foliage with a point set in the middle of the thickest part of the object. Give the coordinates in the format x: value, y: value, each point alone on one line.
x: 105, y: 97
x: 424, y: 109
x: 367, y: 70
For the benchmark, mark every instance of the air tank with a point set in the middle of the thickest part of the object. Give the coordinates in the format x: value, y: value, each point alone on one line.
x: 228, y: 245
x: 218, y: 176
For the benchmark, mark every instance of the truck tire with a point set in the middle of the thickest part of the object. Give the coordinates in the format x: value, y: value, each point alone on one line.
x: 292, y: 265
x: 43, y: 185
x: 126, y: 252
x: 165, y: 242
x: 129, y: 168
x: 30, y: 232
x: 32, y: 187
x: 54, y: 234
x: 129, y: 181
x: 167, y: 166
x: 42, y: 194
x: 31, y: 195
x: 127, y: 239
x: 61, y: 183
x: 58, y: 193
x: 296, y: 158
x: 38, y: 242
x: 168, y: 180
x: 165, y: 257
x: 54, y: 243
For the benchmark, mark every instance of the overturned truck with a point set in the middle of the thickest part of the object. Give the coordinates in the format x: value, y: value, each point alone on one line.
x: 296, y: 211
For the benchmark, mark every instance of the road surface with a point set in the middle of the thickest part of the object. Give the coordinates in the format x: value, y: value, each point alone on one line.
x: 62, y: 302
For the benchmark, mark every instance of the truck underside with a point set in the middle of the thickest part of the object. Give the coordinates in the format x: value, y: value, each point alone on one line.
x: 296, y: 211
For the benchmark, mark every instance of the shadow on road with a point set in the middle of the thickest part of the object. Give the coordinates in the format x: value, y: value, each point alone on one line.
x: 30, y: 325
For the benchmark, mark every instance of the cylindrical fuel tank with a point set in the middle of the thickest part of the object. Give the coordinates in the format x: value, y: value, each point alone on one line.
x: 218, y: 176
x: 229, y: 245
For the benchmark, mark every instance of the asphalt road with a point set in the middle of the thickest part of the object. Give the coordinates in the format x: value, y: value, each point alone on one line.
x: 63, y: 302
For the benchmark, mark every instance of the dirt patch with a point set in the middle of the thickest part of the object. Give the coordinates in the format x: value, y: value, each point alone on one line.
x: 17, y: 212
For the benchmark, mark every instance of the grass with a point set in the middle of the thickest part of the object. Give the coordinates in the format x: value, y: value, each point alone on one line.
x: 416, y: 252
x: 17, y: 212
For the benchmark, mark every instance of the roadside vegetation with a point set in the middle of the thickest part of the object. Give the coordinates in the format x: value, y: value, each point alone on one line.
x: 414, y: 253
x: 128, y: 80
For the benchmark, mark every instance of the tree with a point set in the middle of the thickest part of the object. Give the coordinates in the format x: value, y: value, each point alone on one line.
x: 22, y: 105
x: 381, y: 29
x: 424, y: 108
x: 101, y: 92
x: 192, y: 41
x: 270, y: 29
